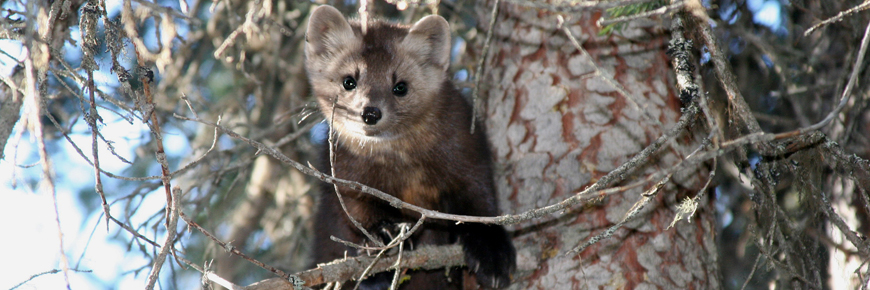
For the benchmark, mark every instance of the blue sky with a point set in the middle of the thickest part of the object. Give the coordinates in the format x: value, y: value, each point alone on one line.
x: 27, y: 202
x: 86, y: 241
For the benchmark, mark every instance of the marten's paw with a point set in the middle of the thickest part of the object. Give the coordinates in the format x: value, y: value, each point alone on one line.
x: 379, y: 281
x: 490, y: 254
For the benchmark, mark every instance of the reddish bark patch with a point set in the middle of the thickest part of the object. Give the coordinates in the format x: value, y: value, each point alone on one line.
x: 633, y: 271
x: 568, y: 130
x: 590, y: 153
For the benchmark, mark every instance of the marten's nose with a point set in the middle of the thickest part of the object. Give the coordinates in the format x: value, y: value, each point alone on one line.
x: 371, y: 115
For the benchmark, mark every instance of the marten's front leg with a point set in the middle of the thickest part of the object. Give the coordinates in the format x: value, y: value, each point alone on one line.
x: 489, y: 251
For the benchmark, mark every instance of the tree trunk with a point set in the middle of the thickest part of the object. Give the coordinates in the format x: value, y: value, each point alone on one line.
x: 556, y: 127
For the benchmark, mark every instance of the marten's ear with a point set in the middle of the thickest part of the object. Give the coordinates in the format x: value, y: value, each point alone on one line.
x: 328, y: 32
x: 430, y: 38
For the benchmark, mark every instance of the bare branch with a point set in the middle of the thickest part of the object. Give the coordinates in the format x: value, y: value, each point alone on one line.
x: 171, y: 226
x: 633, y: 212
x: 88, y: 28
x: 614, y: 176
x: 645, y: 198
x: 427, y: 258
x: 723, y: 70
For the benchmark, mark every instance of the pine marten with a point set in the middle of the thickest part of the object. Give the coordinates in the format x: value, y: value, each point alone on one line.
x: 403, y: 128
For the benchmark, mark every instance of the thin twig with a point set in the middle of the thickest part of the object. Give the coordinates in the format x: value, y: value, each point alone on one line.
x: 332, y: 145
x: 396, y: 241
x: 478, y: 73
x: 229, y: 41
x: 397, y: 267
x: 69, y: 72
x: 368, y: 268
x: 772, y: 258
x: 52, y: 271
x: 645, y: 198
x: 363, y: 15
x: 600, y: 74
x: 703, y: 190
x: 230, y: 248
x: 81, y: 153
x: 863, y: 277
x: 33, y: 100
x: 133, y: 231
x: 847, y: 92
x: 689, y: 206
x: 841, y: 225
x: 211, y: 276
x: 865, y: 280
x: 171, y: 227
x: 199, y: 159
x: 146, y: 77
x: 655, y: 12
x: 752, y: 273
x: 156, y: 7
x: 283, y: 141
x: 386, y: 247
x: 575, y: 6
x: 839, y: 17
x: 291, y: 137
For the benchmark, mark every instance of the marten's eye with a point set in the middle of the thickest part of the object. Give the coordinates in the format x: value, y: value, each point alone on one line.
x: 400, y: 89
x: 349, y: 83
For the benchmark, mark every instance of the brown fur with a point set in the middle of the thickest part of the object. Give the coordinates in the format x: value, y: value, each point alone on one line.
x: 420, y: 150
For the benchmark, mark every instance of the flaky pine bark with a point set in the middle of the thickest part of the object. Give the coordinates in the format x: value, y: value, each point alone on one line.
x: 556, y: 127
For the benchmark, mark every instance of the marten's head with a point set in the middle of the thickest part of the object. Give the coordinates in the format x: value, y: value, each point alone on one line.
x: 384, y: 84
